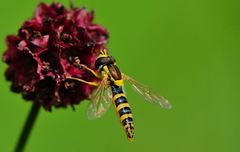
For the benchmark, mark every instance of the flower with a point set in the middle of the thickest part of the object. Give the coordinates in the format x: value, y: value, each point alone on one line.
x: 50, y: 47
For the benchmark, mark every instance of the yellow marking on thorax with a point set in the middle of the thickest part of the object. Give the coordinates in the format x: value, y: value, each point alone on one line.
x: 125, y: 116
x: 122, y: 105
x: 105, y: 68
x: 118, y: 82
x: 118, y: 96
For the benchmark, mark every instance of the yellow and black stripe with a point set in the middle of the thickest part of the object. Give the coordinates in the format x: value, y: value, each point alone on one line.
x: 123, y: 110
x: 106, y: 64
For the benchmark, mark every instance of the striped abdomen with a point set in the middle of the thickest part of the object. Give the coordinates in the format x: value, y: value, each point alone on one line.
x: 123, y: 110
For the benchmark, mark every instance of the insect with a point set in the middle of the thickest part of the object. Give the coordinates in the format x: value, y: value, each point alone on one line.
x: 111, y: 90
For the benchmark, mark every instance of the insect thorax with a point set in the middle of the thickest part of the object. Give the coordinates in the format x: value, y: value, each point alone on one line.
x: 115, y: 72
x: 109, y: 62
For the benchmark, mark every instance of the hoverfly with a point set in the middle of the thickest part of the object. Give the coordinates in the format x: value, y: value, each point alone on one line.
x: 111, y: 89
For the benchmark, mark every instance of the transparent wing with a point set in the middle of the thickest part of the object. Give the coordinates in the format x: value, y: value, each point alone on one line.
x: 148, y: 93
x: 100, y: 101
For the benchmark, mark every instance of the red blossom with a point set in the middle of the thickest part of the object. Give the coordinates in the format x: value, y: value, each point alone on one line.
x: 42, y: 55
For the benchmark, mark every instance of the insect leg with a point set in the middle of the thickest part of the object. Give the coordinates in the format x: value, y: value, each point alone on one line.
x: 84, y: 81
x: 92, y: 71
x: 77, y: 63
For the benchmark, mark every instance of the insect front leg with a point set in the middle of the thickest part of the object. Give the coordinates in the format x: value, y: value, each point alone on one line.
x: 77, y: 63
x: 83, y: 81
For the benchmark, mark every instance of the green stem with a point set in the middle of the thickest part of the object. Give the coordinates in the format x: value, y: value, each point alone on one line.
x: 22, y: 141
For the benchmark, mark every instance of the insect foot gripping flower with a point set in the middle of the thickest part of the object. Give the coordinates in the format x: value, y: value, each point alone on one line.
x: 54, y: 45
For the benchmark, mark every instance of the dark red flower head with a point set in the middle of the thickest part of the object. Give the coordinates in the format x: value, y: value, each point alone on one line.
x: 50, y: 47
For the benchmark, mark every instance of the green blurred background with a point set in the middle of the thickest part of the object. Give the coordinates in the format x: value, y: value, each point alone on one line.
x: 187, y: 50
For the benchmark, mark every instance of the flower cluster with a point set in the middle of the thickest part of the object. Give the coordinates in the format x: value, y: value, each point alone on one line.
x: 50, y: 47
